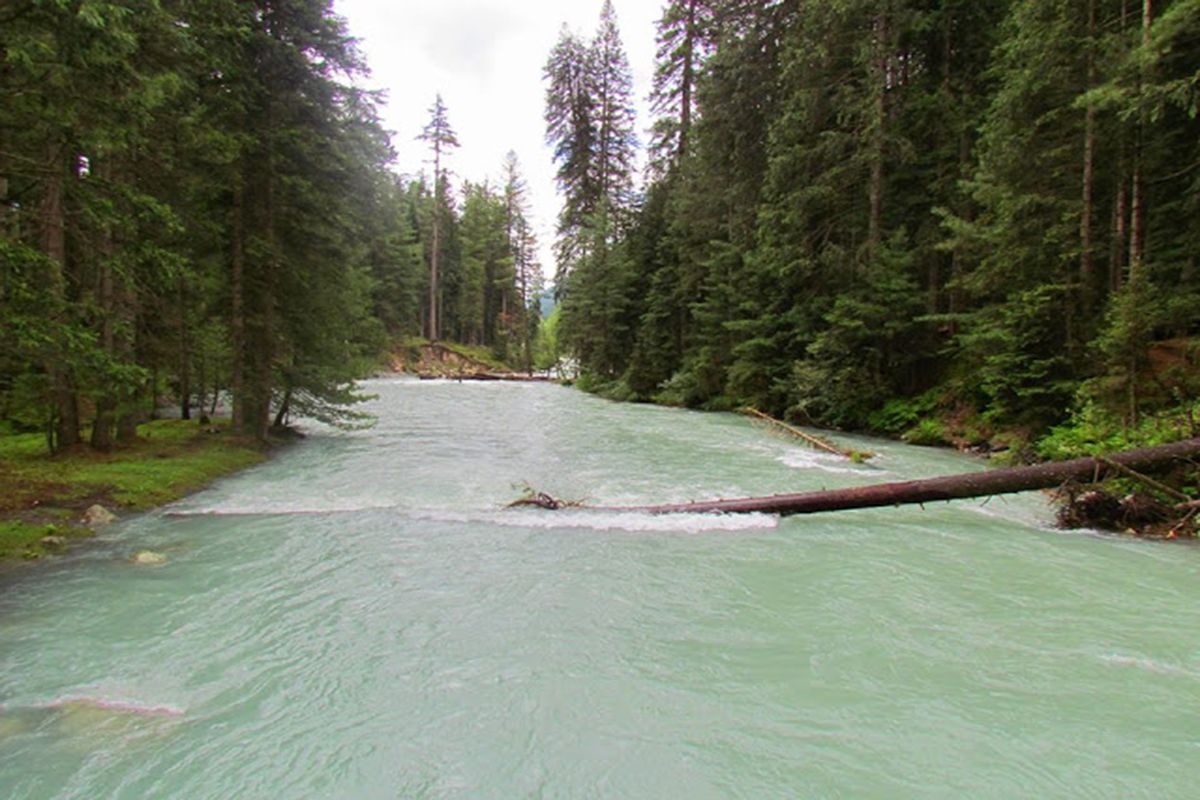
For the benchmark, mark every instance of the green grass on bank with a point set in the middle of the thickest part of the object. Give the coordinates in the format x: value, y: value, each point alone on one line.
x: 29, y: 540
x: 43, y: 495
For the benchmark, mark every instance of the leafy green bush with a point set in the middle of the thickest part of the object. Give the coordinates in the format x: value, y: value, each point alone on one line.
x: 903, y: 413
x: 929, y: 432
x: 1093, y: 430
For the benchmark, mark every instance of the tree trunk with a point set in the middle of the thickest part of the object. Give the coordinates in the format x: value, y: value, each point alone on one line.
x: 879, y: 139
x: 948, y: 170
x: 436, y: 245
x: 686, y: 81
x: 1137, y: 221
x: 285, y: 408
x: 185, y: 356
x: 201, y: 384
x: 264, y: 346
x: 52, y: 216
x: 1120, y: 232
x: 102, y: 425
x: 1137, y: 226
x: 956, y: 487
x: 237, y: 313
x: 1087, y: 266
x: 125, y: 305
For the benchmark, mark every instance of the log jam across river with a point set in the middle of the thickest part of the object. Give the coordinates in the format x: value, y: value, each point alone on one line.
x: 359, y: 618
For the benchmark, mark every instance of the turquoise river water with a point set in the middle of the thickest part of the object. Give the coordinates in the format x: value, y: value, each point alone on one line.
x: 360, y: 618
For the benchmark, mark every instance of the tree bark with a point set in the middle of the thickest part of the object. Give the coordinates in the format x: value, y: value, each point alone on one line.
x: 264, y: 346
x: 185, y: 356
x: 285, y: 408
x: 1137, y: 226
x: 126, y: 310
x: 879, y: 139
x: 955, y: 487
x: 687, y: 80
x: 1120, y: 228
x: 106, y: 403
x: 813, y: 441
x: 1087, y: 266
x: 237, y: 314
x: 52, y: 215
x: 1120, y: 231
x: 436, y: 245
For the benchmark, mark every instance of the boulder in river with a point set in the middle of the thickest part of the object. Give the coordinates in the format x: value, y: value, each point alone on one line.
x: 98, y: 515
x: 149, y: 558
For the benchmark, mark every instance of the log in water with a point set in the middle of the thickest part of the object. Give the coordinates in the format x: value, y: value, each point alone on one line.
x: 974, y: 484
x: 360, y: 618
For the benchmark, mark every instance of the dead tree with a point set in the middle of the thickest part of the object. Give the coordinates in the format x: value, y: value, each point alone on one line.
x: 986, y: 483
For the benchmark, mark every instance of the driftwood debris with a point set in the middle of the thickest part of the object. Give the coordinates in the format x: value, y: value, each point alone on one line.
x: 517, y: 377
x: 986, y: 483
x: 535, y: 499
x: 812, y: 440
x: 1146, y: 480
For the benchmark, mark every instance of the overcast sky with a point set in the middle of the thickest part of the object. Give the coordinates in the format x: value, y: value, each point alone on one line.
x: 485, y: 57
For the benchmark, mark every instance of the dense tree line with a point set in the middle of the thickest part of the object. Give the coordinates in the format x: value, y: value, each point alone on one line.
x: 861, y: 211
x: 195, y: 202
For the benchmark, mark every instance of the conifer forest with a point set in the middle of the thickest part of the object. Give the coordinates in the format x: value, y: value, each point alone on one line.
x: 198, y: 202
x: 933, y: 218
x: 937, y: 218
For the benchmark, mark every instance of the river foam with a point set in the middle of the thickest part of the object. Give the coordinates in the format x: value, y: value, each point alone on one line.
x: 632, y: 521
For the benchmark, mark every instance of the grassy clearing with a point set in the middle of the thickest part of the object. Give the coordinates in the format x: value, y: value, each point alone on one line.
x: 42, y: 495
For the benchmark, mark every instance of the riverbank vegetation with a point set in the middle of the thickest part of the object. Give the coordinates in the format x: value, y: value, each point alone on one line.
x: 971, y: 223
x: 43, y: 500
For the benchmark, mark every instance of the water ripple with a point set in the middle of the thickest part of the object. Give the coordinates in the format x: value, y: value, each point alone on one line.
x: 361, y: 617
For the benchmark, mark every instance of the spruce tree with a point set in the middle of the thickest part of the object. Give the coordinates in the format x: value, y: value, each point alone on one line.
x: 522, y: 243
x: 441, y: 137
x: 610, y: 84
x: 571, y: 131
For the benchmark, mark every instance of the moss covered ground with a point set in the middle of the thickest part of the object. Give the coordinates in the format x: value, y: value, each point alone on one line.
x: 45, y: 496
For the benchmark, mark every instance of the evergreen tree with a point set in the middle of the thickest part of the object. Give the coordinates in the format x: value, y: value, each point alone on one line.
x: 441, y: 137
x: 527, y: 272
x: 683, y: 33
x: 571, y: 131
x: 610, y: 83
x: 590, y: 123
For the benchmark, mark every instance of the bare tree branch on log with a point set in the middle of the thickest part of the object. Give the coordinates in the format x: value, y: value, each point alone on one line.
x: 814, y: 441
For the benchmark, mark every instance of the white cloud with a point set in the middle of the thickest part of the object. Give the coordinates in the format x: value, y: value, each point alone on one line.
x: 485, y: 57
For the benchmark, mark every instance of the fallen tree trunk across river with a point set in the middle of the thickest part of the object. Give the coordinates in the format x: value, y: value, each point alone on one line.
x: 985, y: 483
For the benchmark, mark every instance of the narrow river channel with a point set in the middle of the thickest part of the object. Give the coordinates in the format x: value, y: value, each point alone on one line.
x: 360, y: 618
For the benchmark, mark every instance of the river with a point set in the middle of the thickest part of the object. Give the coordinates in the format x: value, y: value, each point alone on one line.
x: 360, y: 618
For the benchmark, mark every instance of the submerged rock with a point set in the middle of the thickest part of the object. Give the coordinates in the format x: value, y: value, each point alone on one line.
x: 149, y: 558
x: 98, y: 515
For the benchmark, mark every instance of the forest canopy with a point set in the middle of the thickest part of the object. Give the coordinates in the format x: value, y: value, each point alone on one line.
x: 876, y: 215
x: 198, y: 202
x: 869, y: 214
